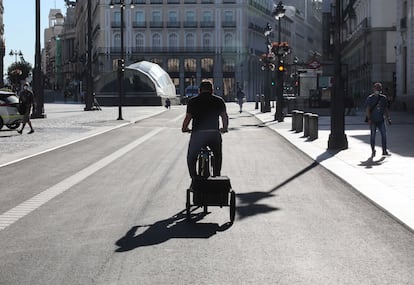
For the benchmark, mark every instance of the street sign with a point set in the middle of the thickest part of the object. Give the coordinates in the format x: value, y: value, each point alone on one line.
x: 314, y: 64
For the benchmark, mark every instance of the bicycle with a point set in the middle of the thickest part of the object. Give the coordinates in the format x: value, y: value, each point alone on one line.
x: 208, y: 190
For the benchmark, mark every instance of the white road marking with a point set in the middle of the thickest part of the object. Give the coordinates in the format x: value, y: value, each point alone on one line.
x: 40, y: 199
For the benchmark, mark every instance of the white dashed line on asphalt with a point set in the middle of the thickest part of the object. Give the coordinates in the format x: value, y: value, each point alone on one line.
x: 21, y: 210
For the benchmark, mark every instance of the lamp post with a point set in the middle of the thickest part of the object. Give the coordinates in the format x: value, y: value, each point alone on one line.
x: 278, y: 13
x: 16, y: 53
x: 268, y: 67
x: 337, y: 138
x: 121, y: 61
x: 37, y: 73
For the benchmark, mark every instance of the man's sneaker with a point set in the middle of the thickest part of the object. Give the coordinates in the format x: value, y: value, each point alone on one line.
x: 31, y: 132
x: 373, y: 153
x: 386, y: 153
x: 19, y: 131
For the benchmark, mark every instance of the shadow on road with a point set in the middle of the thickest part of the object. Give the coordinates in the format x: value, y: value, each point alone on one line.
x: 174, y: 227
x: 249, y: 202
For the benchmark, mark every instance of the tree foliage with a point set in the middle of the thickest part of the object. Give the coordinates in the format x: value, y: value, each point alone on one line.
x: 18, y: 71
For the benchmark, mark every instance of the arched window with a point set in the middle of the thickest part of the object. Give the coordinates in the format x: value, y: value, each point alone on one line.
x: 139, y: 41
x: 207, y: 41
x: 117, y: 40
x: 190, y: 40
x: 173, y: 40
x: 228, y: 40
x: 156, y: 40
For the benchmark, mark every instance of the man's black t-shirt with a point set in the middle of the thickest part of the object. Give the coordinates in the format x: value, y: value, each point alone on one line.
x: 205, y: 110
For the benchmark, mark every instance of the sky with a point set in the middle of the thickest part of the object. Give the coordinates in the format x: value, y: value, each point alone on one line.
x: 19, y: 20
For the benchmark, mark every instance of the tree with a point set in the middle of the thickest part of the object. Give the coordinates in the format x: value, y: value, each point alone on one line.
x: 18, y: 72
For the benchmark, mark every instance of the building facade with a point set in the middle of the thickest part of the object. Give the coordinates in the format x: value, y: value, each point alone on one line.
x: 405, y: 52
x: 2, y: 44
x: 220, y: 40
x: 368, y: 39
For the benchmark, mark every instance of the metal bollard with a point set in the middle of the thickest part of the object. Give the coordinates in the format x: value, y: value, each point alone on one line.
x: 294, y: 117
x: 306, y: 124
x: 313, y: 126
x: 256, y: 105
x: 299, y: 121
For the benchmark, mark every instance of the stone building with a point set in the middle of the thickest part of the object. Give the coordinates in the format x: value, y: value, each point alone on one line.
x: 220, y: 40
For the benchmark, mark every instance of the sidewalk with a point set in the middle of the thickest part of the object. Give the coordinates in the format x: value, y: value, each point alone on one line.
x: 65, y: 124
x: 386, y: 181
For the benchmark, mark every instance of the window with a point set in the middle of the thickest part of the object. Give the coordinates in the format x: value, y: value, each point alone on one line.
x: 173, y: 65
x: 228, y: 16
x: 228, y: 40
x: 117, y: 17
x: 117, y: 40
x: 139, y: 17
x: 173, y: 16
x: 190, y: 40
x: 139, y: 40
x: 156, y: 16
x: 207, y: 16
x: 207, y: 41
x: 207, y: 65
x: 190, y: 65
x: 156, y: 40
x: 173, y: 40
x: 190, y: 16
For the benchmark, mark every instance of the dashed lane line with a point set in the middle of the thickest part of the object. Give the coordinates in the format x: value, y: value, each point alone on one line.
x: 40, y: 199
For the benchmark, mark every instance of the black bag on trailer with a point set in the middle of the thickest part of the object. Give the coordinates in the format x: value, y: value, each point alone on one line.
x: 211, y: 191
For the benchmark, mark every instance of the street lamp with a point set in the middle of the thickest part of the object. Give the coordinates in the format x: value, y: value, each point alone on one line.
x: 121, y: 61
x: 268, y: 66
x: 278, y: 13
x: 16, y: 53
x: 37, y: 72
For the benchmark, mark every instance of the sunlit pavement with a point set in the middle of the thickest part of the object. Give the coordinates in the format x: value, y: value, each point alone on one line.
x: 385, y: 180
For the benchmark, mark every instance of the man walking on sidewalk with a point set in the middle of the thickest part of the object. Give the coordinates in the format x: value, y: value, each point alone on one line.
x: 376, y: 108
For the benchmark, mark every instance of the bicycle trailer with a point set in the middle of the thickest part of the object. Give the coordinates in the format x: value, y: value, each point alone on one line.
x: 211, y: 191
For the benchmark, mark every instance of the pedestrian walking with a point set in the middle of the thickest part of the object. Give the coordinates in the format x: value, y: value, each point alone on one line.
x: 376, y: 109
x: 168, y: 103
x: 240, y: 98
x: 26, y: 100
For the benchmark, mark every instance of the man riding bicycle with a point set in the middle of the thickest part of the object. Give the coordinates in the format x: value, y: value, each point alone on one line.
x: 204, y: 111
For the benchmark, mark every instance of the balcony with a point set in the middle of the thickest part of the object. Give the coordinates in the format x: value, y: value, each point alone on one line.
x: 207, y: 24
x: 190, y: 24
x: 190, y: 1
x: 136, y: 24
x: 173, y: 1
x: 173, y: 24
x: 156, y: 1
x: 156, y: 24
x: 228, y: 24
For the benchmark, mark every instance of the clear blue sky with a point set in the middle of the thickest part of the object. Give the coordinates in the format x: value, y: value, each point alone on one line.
x: 20, y: 26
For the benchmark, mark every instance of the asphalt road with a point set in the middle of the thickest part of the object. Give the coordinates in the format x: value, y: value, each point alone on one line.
x: 110, y: 210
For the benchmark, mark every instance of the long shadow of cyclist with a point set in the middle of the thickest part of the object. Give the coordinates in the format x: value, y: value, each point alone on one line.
x: 164, y: 230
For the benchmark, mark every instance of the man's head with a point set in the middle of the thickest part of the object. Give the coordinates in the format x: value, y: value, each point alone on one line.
x: 377, y: 87
x: 206, y: 87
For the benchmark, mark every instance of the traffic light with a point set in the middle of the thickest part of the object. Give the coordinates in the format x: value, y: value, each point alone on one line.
x: 121, y: 65
x: 273, y: 83
x: 281, y: 67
